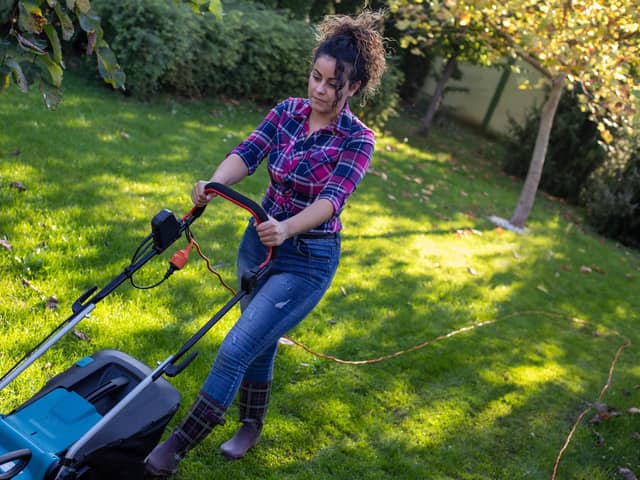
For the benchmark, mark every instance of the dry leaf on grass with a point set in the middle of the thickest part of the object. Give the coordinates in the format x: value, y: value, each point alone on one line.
x: 52, y: 302
x: 604, y: 412
x: 82, y: 336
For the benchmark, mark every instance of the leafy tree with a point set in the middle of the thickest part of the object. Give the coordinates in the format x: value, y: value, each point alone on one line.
x: 31, y: 49
x: 428, y: 27
x: 595, y: 43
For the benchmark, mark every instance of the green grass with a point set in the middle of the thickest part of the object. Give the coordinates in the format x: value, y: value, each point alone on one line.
x: 495, y: 402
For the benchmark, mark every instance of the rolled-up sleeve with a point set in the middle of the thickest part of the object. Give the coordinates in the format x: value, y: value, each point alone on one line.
x: 258, y: 145
x: 349, y: 170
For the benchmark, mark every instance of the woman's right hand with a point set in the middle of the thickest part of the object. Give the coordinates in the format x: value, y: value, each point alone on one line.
x: 198, y: 196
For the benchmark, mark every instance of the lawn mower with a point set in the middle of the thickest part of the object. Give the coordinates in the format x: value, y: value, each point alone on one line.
x: 100, y: 418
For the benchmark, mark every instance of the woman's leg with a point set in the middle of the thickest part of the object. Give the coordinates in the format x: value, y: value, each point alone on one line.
x: 255, y: 388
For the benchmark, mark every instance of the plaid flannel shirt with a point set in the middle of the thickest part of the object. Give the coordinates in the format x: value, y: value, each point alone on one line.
x: 329, y: 164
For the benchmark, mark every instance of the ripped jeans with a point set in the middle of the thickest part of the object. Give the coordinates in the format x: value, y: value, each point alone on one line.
x: 300, y: 274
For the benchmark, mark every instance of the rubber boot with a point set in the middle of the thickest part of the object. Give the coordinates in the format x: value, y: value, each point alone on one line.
x: 205, y: 413
x: 254, y: 400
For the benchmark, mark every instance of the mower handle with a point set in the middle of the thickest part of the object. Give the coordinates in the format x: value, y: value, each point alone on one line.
x: 21, y: 456
x: 235, y: 197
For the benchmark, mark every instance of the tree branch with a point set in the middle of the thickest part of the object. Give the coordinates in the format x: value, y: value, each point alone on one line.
x: 521, y: 53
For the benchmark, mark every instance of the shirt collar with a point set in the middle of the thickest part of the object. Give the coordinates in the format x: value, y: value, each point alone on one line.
x: 342, y: 124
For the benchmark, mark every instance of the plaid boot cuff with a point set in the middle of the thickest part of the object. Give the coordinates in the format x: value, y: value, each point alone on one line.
x: 254, y: 400
x: 205, y: 413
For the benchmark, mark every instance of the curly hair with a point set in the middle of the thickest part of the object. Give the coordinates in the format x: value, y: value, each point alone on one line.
x: 356, y: 45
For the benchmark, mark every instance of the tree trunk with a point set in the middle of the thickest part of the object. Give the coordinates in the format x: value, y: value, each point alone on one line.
x: 447, y: 71
x: 528, y: 194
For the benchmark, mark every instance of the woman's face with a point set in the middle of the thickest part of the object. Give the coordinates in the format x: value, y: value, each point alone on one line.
x: 323, y: 87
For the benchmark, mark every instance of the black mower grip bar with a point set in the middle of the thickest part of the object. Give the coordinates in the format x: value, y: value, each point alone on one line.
x: 229, y: 194
x: 20, y: 457
x: 240, y: 200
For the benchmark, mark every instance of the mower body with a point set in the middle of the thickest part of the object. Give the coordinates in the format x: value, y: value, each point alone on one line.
x: 72, y: 402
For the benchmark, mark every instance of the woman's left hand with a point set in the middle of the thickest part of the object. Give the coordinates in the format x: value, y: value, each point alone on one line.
x: 272, y: 233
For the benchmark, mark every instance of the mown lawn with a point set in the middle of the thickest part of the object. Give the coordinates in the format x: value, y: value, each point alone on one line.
x: 420, y: 261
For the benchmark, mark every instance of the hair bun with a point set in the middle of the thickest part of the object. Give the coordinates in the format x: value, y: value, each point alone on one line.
x: 364, y: 29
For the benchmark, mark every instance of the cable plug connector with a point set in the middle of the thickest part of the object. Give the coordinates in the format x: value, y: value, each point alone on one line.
x: 180, y: 258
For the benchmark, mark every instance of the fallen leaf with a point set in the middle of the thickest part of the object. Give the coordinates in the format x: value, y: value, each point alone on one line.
x: 605, y: 412
x: 125, y: 135
x: 472, y: 271
x: 566, y: 268
x: 382, y: 175
x: 585, y: 269
x: 634, y: 410
x: 5, y: 244
x: 81, y: 335
x: 627, y: 474
x: 344, y: 291
x: 52, y: 302
x: 635, y: 435
x: 18, y: 186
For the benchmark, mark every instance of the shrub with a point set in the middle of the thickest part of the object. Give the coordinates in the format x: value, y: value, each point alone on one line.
x: 612, y: 199
x: 276, y: 54
x: 254, y: 53
x: 572, y: 155
x: 152, y: 39
x: 163, y: 46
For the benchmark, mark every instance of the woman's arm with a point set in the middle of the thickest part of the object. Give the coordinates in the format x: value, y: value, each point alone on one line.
x: 273, y: 233
x: 230, y: 171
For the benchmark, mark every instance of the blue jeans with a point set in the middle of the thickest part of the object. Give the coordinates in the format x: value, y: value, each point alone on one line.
x: 300, y: 274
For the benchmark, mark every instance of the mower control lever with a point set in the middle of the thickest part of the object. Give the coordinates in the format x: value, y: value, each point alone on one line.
x: 20, y: 457
x: 173, y: 370
x: 79, y: 303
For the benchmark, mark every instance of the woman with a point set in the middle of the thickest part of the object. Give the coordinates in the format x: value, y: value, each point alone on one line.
x: 317, y: 152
